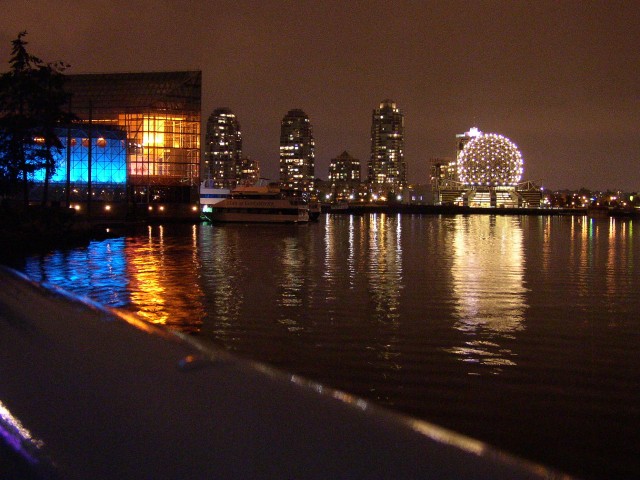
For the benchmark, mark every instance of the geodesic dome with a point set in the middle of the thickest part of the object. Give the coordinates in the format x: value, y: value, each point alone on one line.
x: 490, y: 159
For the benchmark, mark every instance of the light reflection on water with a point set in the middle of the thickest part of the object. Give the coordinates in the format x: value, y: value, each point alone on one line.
x: 521, y: 331
x: 384, y: 267
x: 488, y: 287
x: 99, y: 272
x: 164, y: 281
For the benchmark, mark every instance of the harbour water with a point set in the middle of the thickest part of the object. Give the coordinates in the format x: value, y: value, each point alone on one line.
x: 523, y: 332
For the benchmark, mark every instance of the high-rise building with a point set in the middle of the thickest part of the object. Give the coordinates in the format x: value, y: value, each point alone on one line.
x: 387, y: 168
x: 344, y: 176
x: 223, y: 149
x: 443, y: 171
x: 249, y: 172
x: 297, y: 157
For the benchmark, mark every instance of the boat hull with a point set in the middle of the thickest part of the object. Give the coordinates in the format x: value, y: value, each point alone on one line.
x: 245, y: 217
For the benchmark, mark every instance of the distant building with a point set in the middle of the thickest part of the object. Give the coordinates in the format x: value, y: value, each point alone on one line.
x: 223, y: 149
x: 442, y: 169
x: 417, y: 195
x: 249, y: 172
x: 444, y: 179
x: 387, y: 170
x: 297, y: 152
x: 344, y: 177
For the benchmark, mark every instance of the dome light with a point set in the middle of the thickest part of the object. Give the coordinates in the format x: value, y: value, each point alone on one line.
x: 490, y: 159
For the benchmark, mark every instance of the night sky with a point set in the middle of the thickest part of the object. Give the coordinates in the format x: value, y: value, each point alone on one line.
x: 561, y: 79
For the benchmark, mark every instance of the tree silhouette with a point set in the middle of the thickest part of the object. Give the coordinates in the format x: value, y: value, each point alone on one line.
x: 31, y: 107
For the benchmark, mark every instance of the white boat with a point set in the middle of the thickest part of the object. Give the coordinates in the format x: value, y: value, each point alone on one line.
x: 209, y: 195
x: 265, y: 204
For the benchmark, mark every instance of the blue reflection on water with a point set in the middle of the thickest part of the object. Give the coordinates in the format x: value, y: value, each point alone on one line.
x: 97, y: 271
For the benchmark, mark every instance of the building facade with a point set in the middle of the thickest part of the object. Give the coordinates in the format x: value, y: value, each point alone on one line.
x: 297, y: 152
x: 136, y: 140
x: 223, y: 149
x: 344, y: 177
x: 444, y: 180
x: 387, y: 170
x: 249, y: 172
x: 104, y: 177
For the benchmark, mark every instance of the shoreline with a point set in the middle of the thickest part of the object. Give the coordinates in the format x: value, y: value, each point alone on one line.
x: 45, y: 229
x: 457, y: 210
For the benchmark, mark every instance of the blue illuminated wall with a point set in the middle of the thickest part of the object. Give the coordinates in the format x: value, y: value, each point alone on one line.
x: 108, y: 158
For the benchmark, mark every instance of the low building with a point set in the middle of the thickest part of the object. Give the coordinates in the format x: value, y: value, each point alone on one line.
x: 344, y: 177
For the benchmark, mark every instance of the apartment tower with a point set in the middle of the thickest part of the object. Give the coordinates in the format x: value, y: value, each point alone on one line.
x: 297, y: 157
x: 223, y: 149
x: 387, y: 172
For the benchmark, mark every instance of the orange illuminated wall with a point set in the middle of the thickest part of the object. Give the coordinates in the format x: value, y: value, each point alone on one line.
x: 162, y: 149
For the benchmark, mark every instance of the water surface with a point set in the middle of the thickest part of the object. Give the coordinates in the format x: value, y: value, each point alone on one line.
x: 520, y: 331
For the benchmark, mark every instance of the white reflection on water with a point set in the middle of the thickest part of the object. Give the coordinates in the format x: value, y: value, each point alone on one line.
x: 344, y: 241
x: 488, y: 287
x: 351, y: 259
x: 604, y: 264
x: 385, y: 267
x: 220, y: 259
x: 292, y: 283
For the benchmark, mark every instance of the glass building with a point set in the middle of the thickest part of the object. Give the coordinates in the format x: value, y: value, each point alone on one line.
x: 223, y: 149
x: 138, y: 134
x: 297, y: 152
x: 387, y: 172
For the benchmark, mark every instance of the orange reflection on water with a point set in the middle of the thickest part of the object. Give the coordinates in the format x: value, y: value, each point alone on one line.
x: 163, y: 290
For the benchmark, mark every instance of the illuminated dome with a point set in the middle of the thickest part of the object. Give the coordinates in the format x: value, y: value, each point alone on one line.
x: 490, y: 159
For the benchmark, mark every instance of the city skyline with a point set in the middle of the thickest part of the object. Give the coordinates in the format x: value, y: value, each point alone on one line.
x: 557, y: 78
